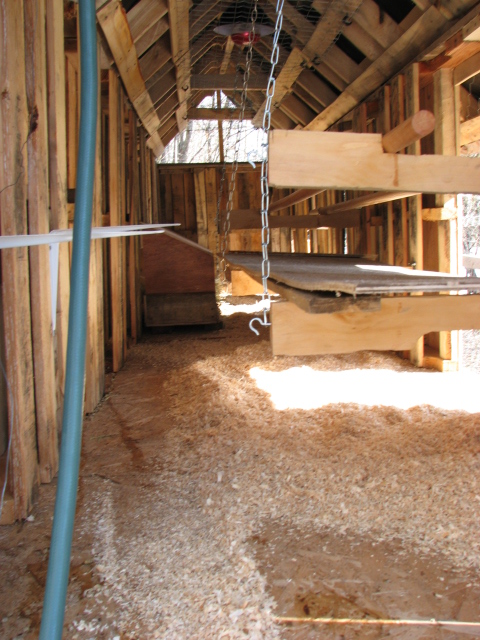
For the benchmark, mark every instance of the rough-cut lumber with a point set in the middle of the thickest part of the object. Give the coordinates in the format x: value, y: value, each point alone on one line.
x: 15, y: 276
x: 349, y: 274
x: 467, y: 69
x: 115, y: 138
x: 397, y: 326
x: 180, y: 309
x: 403, y: 51
x: 293, y: 198
x: 218, y: 114
x: 415, y: 222
x: 306, y: 159
x: 315, y: 49
x: 470, y: 131
x: 38, y: 222
x: 113, y: 21
x: 57, y: 159
x: 226, y: 82
x: 409, y: 131
x: 144, y: 15
x: 367, y: 200
x: 251, y: 219
x: 180, y: 47
x: 434, y: 214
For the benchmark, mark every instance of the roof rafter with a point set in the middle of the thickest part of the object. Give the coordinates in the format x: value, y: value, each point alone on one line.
x: 113, y: 22
x: 178, y: 11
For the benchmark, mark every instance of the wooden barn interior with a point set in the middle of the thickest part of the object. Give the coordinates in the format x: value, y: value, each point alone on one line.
x: 371, y: 109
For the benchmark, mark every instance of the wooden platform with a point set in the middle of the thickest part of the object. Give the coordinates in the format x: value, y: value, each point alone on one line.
x: 339, y: 304
x: 350, y: 275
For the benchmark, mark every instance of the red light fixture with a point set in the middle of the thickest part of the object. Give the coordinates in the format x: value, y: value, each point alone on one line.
x: 241, y: 32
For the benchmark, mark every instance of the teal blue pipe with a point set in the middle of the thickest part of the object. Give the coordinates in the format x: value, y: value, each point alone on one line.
x: 65, y: 503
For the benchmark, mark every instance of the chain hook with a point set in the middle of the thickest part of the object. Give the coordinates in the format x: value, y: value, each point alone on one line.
x: 262, y: 321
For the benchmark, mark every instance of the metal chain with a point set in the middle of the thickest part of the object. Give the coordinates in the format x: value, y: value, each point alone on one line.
x: 267, y: 117
x: 231, y: 191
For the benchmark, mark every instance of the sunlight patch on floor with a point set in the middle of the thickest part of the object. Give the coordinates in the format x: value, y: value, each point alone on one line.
x: 227, y: 309
x: 306, y: 388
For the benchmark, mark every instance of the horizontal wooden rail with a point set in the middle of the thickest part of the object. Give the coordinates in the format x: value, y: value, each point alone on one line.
x: 367, y: 200
x: 251, y: 219
x: 293, y: 198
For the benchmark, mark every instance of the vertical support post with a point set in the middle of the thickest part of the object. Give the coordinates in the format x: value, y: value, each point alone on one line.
x: 38, y: 222
x: 57, y: 164
x: 446, y: 144
x: 415, y: 222
x: 14, y: 122
x: 116, y: 253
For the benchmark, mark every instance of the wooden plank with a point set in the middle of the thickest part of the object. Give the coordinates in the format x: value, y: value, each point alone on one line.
x: 467, y: 69
x: 144, y: 15
x: 155, y: 58
x: 113, y: 22
x: 201, y: 207
x: 226, y: 82
x: 180, y: 47
x: 415, y: 220
x: 470, y: 131
x: 181, y: 309
x: 14, y: 120
x: 399, y: 54
x: 316, y: 88
x: 154, y: 33
x: 350, y: 275
x: 387, y: 253
x: 116, y: 244
x: 95, y: 352
x: 397, y: 326
x: 435, y: 214
x: 446, y: 144
x: 218, y: 114
x: 293, y: 198
x: 172, y: 265
x: 244, y: 285
x: 400, y: 231
x: 300, y: 161
x: 251, y: 219
x: 211, y: 195
x: 57, y: 161
x: 284, y: 82
x: 38, y: 222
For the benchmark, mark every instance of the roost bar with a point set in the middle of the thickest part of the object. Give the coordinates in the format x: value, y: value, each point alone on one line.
x: 374, y: 135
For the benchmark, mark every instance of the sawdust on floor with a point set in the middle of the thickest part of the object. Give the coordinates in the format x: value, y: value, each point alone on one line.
x: 206, y: 512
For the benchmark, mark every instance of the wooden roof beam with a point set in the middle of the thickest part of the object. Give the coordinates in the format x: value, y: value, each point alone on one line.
x: 113, y: 22
x: 202, y: 15
x: 178, y: 14
x: 358, y: 161
x: 405, y: 49
x: 218, y: 114
x: 144, y: 15
x: 320, y: 91
x: 315, y: 49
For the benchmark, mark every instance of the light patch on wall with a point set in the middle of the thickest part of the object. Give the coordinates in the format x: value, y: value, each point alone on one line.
x: 306, y: 388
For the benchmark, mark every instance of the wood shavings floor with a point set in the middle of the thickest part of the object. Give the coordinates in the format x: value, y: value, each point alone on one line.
x: 205, y: 512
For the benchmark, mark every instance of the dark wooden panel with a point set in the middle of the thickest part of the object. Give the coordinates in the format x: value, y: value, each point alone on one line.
x: 180, y: 309
x: 171, y: 264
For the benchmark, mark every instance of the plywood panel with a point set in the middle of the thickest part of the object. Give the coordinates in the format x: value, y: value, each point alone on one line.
x: 170, y: 264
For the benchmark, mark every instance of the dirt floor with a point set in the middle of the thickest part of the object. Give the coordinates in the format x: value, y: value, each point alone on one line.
x: 223, y: 490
